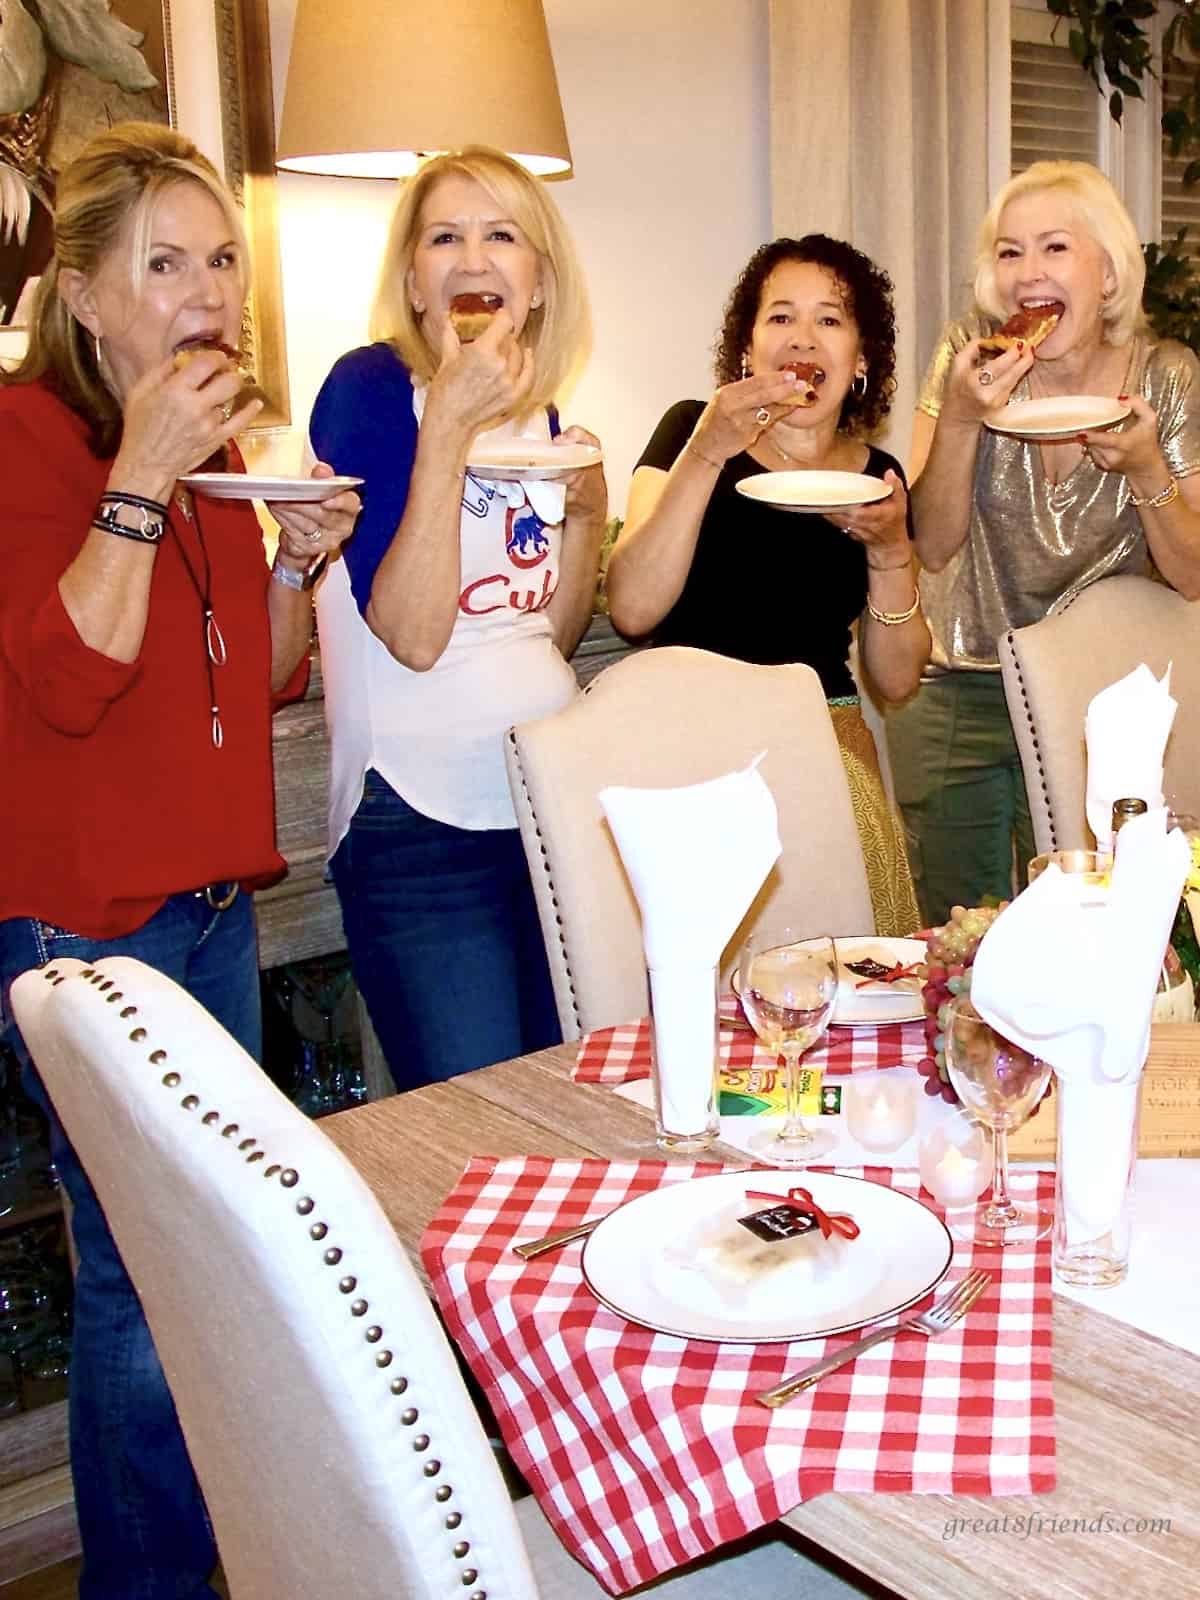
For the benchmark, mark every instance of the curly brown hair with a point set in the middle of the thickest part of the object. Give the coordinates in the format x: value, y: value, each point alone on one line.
x: 867, y: 292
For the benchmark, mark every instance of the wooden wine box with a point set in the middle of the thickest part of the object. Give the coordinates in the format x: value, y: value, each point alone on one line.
x: 1170, y: 1119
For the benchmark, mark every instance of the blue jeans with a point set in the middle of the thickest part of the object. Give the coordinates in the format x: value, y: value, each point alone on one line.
x: 142, y: 1521
x: 960, y: 786
x: 444, y: 940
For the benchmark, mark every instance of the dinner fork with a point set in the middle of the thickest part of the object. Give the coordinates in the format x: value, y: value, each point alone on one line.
x: 942, y: 1314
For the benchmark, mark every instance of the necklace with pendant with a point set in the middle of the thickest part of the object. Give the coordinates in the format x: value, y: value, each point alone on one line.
x: 215, y: 653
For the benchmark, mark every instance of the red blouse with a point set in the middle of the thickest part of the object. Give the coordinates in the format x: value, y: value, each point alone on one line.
x: 112, y: 794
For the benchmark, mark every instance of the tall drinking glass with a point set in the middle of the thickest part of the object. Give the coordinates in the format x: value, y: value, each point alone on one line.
x: 788, y: 988
x: 999, y: 1084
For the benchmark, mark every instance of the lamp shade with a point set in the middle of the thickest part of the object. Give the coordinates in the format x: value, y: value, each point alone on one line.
x: 375, y: 85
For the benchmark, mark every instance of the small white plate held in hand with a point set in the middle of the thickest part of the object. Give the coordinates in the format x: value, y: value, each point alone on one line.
x: 1057, y: 416
x: 243, y: 486
x: 535, y: 460
x: 814, y: 491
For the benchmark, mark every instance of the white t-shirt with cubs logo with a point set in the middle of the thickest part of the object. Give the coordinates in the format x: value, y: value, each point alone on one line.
x: 437, y: 736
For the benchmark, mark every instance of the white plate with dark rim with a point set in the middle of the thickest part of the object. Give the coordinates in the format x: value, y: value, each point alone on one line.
x: 814, y: 491
x: 537, y: 460
x: 901, y: 1253
x: 870, y: 1007
x: 244, y: 486
x: 1057, y: 416
x: 875, y: 1004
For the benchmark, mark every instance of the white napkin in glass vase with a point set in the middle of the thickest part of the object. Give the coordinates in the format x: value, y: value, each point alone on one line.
x: 1126, y: 731
x: 1073, y: 982
x: 548, y: 500
x: 696, y: 857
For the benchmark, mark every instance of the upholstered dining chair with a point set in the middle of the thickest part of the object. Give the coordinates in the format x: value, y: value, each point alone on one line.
x: 335, y: 1442
x: 667, y: 717
x: 1051, y: 670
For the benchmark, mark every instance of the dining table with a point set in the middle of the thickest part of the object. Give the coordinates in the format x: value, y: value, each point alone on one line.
x: 1124, y: 1517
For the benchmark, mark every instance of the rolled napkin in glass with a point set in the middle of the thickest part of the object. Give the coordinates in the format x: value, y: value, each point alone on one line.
x: 1126, y: 730
x: 696, y: 857
x: 1073, y: 982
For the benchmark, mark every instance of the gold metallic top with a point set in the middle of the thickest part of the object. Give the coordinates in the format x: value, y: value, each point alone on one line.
x: 1033, y: 545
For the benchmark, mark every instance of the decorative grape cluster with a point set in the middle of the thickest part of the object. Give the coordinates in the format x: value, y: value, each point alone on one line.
x: 945, y: 974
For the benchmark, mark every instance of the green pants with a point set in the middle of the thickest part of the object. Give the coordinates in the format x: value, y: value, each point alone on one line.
x: 961, y: 790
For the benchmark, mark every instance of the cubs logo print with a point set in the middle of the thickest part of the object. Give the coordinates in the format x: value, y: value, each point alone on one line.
x: 526, y: 541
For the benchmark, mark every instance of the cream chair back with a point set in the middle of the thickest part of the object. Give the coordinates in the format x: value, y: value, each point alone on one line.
x: 1052, y: 669
x: 337, y: 1448
x: 671, y: 717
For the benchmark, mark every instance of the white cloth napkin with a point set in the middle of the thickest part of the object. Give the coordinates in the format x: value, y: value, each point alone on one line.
x: 696, y: 857
x: 1072, y: 980
x: 1126, y: 731
x: 547, y: 499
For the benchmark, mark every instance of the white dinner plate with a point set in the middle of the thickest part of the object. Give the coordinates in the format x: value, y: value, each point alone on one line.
x: 537, y: 460
x: 1057, y: 416
x: 814, y: 491
x: 244, y: 486
x: 637, y: 1262
x: 868, y: 1007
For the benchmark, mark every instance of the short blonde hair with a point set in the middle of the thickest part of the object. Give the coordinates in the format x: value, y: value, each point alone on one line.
x: 1096, y: 205
x: 557, y: 331
x: 112, y: 185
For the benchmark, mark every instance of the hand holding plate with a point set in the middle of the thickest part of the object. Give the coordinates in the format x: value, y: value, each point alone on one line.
x: 312, y: 528
x: 882, y: 527
x: 1132, y: 449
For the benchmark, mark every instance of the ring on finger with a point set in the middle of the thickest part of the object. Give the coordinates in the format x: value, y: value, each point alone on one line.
x: 313, y: 533
x: 762, y: 416
x: 985, y: 377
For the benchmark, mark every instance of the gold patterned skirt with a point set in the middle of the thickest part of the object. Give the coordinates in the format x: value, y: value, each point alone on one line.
x: 888, y: 877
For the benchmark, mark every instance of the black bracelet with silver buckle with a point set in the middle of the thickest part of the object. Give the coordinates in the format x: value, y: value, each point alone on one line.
x: 150, y: 516
x: 304, y: 579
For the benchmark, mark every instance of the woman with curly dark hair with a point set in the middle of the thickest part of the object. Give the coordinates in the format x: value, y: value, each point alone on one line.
x: 698, y: 564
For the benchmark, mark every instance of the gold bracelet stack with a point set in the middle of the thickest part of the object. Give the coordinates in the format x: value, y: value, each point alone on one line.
x: 1162, y: 498
x: 893, y: 619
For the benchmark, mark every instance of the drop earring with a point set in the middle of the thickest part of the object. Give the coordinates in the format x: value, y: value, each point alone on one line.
x: 745, y: 365
x: 98, y: 357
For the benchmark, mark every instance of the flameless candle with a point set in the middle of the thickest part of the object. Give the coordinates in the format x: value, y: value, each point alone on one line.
x: 881, y: 1109
x: 956, y: 1161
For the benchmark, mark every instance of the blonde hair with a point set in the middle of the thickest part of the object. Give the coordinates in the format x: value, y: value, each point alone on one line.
x: 105, y: 197
x: 1096, y: 205
x: 557, y: 331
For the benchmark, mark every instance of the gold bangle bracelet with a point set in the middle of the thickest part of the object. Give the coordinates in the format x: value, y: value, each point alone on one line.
x: 893, y: 619
x: 1156, y: 501
x: 708, y: 460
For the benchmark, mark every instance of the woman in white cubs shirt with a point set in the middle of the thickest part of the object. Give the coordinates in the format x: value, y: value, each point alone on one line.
x: 452, y: 615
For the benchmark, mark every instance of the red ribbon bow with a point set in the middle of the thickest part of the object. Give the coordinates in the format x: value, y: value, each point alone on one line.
x: 892, y: 975
x: 800, y: 1200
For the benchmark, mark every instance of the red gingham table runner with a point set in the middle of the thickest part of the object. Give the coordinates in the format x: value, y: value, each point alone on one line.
x: 622, y: 1054
x: 643, y: 1449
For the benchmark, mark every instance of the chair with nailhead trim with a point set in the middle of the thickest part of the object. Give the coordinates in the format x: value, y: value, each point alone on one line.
x: 1051, y: 671
x: 660, y: 718
x: 335, y: 1442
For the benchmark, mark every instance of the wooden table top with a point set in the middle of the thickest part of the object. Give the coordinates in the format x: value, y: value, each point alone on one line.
x: 1128, y: 1405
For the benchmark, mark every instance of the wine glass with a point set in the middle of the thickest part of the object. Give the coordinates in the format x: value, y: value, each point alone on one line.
x: 999, y: 1084
x: 788, y: 987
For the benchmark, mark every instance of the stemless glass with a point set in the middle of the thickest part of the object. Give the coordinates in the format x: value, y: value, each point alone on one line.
x: 788, y: 987
x: 999, y: 1084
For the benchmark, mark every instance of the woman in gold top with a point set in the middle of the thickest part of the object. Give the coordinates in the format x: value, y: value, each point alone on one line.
x: 1009, y: 531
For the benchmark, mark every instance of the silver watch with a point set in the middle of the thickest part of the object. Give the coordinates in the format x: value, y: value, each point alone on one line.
x: 291, y: 579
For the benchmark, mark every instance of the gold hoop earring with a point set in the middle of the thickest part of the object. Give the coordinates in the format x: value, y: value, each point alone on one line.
x: 98, y: 356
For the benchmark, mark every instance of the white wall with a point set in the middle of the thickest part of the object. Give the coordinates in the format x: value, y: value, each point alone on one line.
x: 666, y: 105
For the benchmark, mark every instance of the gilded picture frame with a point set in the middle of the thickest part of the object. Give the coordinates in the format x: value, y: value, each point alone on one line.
x: 205, y: 66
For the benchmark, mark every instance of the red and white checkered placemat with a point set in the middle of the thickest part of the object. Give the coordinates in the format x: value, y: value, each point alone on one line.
x: 622, y: 1054
x: 644, y: 1450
